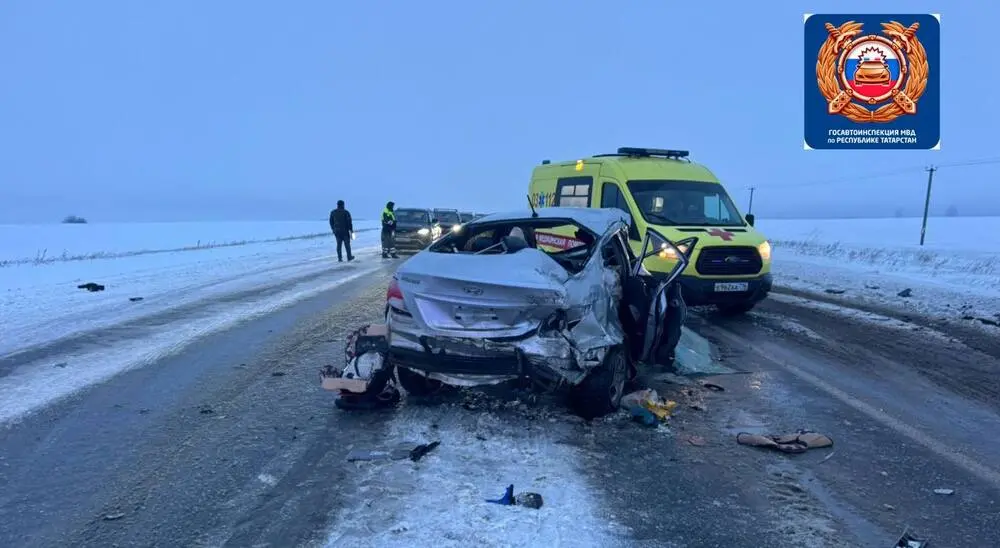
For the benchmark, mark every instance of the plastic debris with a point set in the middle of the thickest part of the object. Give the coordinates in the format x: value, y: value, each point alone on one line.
x: 413, y: 454
x: 643, y: 416
x: 641, y: 402
x: 419, y: 451
x: 713, y: 387
x: 944, y: 491
x: 507, y: 499
x: 529, y: 500
x: 800, y: 442
x: 526, y: 499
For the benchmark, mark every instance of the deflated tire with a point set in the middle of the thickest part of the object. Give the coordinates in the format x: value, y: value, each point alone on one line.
x: 601, y: 392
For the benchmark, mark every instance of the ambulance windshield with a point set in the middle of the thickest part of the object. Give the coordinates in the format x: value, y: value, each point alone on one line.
x: 684, y: 203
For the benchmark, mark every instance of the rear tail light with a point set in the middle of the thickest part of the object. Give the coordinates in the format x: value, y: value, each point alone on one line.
x: 394, y: 296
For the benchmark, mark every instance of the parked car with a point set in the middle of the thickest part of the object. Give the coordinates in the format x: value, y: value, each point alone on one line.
x: 447, y: 218
x: 415, y: 228
x: 465, y: 216
x: 487, y: 304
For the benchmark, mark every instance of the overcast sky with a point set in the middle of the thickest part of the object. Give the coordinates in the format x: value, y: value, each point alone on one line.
x: 195, y: 110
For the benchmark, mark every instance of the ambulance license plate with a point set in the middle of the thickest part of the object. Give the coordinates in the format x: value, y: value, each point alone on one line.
x: 731, y: 287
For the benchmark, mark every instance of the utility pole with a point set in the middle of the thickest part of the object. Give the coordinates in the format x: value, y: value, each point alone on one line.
x: 750, y: 207
x: 927, y: 202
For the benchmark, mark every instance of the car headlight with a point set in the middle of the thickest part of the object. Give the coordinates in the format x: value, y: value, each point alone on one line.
x: 456, y: 228
x: 667, y: 252
x: 765, y: 251
x: 424, y: 231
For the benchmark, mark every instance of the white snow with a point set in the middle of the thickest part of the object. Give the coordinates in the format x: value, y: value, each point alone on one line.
x: 41, y: 304
x: 441, y: 500
x: 52, y: 241
x: 954, y: 276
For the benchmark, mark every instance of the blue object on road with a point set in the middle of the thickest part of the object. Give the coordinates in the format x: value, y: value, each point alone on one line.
x: 643, y: 416
x: 507, y: 499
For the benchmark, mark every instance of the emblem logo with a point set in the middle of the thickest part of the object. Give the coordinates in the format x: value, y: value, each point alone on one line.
x: 472, y: 290
x: 872, y: 78
x: 732, y: 259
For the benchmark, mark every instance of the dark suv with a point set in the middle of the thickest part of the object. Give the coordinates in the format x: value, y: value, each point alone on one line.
x: 415, y: 228
x: 447, y: 218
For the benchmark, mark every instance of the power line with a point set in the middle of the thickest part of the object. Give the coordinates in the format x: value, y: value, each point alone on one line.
x: 882, y: 175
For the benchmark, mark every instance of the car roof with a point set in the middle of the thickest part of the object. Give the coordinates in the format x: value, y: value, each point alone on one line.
x: 597, y: 220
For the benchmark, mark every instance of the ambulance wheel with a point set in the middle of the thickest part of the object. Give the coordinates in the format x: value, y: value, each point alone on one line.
x: 416, y: 384
x: 735, y: 309
x: 600, y: 393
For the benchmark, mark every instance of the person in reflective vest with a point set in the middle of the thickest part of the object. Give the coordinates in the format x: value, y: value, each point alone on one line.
x: 389, y: 231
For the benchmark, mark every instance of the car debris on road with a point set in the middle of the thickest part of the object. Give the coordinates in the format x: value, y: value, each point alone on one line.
x: 364, y: 382
x: 799, y: 442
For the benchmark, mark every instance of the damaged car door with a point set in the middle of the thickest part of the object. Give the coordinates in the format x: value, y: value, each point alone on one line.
x: 658, y: 298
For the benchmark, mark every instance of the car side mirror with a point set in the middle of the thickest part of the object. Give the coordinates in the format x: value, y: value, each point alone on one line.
x: 750, y: 218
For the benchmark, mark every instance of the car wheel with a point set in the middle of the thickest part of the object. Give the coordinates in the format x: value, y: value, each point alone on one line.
x: 416, y: 384
x: 601, y: 392
x: 735, y: 309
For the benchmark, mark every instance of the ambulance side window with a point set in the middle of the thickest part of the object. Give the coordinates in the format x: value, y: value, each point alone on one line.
x: 573, y: 191
x: 612, y: 197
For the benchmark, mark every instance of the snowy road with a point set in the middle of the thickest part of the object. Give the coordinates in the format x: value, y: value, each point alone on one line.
x: 230, y: 442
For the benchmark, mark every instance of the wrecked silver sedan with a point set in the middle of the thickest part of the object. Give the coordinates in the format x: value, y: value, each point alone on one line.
x: 556, y: 296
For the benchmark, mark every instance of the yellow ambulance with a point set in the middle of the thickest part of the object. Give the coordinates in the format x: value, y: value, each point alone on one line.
x: 730, y: 261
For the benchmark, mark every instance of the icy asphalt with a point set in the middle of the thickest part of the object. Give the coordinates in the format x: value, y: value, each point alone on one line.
x: 232, y: 443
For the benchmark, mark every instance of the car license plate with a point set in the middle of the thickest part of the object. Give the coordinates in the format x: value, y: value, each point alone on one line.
x: 729, y: 287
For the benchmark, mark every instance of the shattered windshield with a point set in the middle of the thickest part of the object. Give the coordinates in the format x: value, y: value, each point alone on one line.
x: 412, y: 216
x: 684, y: 203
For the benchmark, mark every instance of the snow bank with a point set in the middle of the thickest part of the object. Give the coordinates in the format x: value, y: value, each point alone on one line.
x: 868, y: 260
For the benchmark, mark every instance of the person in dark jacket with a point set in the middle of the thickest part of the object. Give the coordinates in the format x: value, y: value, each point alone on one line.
x: 343, y: 228
x: 389, y: 231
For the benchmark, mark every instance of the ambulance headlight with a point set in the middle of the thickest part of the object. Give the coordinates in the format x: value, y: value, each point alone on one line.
x: 424, y: 232
x: 765, y: 251
x: 667, y: 252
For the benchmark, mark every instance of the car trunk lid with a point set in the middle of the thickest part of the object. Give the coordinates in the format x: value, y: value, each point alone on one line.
x: 500, y: 294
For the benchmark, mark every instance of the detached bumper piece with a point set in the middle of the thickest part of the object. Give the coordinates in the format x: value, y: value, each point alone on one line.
x: 366, y: 381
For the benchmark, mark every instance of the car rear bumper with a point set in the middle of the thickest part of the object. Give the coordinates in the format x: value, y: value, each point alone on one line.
x: 703, y: 291
x: 479, y: 361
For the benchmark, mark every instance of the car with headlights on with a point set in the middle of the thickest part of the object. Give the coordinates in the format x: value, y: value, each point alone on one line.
x: 416, y: 228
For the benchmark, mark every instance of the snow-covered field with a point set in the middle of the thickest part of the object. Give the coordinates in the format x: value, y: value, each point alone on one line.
x: 954, y: 276
x: 41, y: 306
x: 53, y: 242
